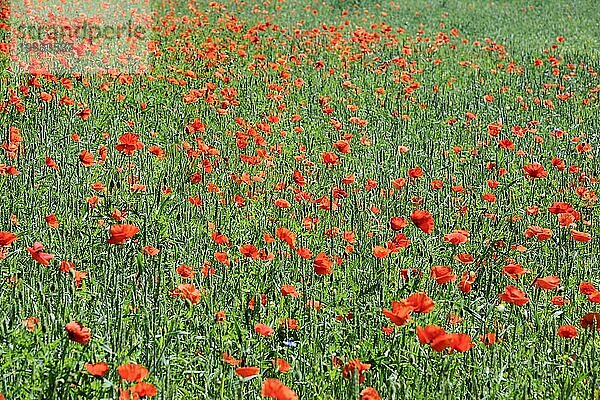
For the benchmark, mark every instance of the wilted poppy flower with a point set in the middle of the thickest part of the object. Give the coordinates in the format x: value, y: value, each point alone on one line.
x: 38, y: 255
x: 567, y: 331
x: 423, y: 220
x: 513, y: 295
x: 119, y: 234
x: 488, y: 339
x: 132, y: 372
x: 246, y: 372
x: 275, y: 389
x: 590, y: 320
x: 78, y: 333
x: 97, y: 369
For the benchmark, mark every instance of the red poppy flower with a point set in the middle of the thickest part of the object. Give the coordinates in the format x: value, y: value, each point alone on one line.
x: 423, y: 220
x: 329, y: 158
x: 132, y: 372
x: 282, y: 203
x: 369, y: 393
x: 428, y: 333
x: 7, y: 238
x: 456, y: 238
x: 145, y: 389
x: 513, y: 295
x: 51, y: 220
x: 594, y: 297
x: 559, y: 207
x: 51, y: 163
x: 538, y: 232
x: 97, y: 369
x: 400, y: 313
x: 587, y: 288
x: 322, y: 264
x: 119, y: 234
x: 442, y: 274
x: 304, y: 253
x: 281, y: 365
x: 129, y: 143
x: 514, y: 270
x: 230, y: 360
x: 187, y: 291
x: 78, y: 333
x: 548, y: 283
x: 488, y: 339
x: 535, y: 170
x: 353, y: 366
x: 580, y: 236
x: 397, y: 223
x: 246, y: 372
x: 419, y: 302
x: 289, y: 290
x: 567, y: 331
x: 275, y: 389
x: 86, y: 158
x: 442, y: 342
x: 287, y: 236
x: 415, y: 172
x: 249, y: 250
x: 263, y: 330
x: 381, y: 252
x: 461, y: 342
x: 38, y: 255
x: 466, y: 281
x: 465, y: 258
